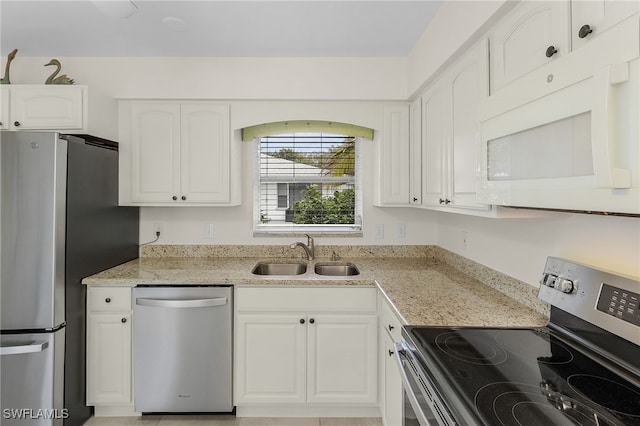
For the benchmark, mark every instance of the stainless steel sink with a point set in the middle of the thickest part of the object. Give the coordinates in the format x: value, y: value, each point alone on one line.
x: 341, y: 270
x: 269, y: 268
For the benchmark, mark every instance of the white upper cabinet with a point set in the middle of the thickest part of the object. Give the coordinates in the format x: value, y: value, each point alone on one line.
x: 469, y: 86
x: 531, y: 35
x: 435, y: 134
x: 4, y: 107
x: 393, y: 157
x: 591, y: 18
x: 174, y: 154
x: 155, y: 152
x: 204, y: 153
x: 450, y: 133
x: 44, y: 107
x: 415, y: 152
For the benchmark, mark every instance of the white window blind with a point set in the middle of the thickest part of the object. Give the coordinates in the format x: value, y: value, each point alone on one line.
x: 307, y: 182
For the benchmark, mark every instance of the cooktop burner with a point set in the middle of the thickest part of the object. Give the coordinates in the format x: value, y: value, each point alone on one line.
x: 526, y: 377
x: 522, y: 404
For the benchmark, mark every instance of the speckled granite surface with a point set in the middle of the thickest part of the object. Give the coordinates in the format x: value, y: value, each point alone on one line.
x: 424, y: 283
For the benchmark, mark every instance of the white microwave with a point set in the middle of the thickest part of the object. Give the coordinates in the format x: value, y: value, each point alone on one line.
x: 576, y: 147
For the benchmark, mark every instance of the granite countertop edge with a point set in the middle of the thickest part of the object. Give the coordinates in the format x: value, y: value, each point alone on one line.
x: 421, y: 291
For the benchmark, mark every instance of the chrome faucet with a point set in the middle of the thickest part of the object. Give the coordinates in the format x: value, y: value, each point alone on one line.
x: 309, y: 248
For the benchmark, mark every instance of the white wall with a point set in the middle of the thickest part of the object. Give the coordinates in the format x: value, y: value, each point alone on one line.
x: 519, y: 247
x: 218, y: 78
x: 455, y: 26
x: 270, y: 80
x: 234, y: 225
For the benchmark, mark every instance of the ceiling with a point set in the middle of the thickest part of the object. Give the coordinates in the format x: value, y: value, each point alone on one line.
x: 239, y: 28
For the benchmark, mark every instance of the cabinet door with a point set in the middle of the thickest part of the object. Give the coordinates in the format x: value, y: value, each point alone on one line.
x: 270, y: 360
x: 342, y: 361
x: 435, y: 138
x: 393, y: 394
x: 519, y: 42
x: 47, y: 107
x: 155, y: 152
x: 598, y: 15
x: 395, y: 156
x: 468, y: 85
x: 4, y: 108
x: 415, y: 152
x: 204, y: 153
x: 108, y: 358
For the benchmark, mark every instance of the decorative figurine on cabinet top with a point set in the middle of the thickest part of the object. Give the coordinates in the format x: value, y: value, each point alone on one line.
x: 10, y: 56
x: 62, y: 79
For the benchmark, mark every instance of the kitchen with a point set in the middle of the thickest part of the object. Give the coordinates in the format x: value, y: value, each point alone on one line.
x: 517, y: 247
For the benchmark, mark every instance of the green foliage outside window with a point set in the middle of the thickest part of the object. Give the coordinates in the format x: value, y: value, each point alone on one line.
x: 316, y: 209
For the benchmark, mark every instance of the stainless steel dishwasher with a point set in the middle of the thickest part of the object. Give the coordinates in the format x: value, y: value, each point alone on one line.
x: 182, y: 349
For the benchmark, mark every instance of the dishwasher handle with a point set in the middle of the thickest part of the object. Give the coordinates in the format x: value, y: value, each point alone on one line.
x: 182, y: 303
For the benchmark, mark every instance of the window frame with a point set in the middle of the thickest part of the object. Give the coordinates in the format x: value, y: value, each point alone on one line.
x: 289, y: 228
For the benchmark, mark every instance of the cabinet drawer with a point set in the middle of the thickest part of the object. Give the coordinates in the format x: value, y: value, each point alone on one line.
x: 302, y: 299
x: 389, y: 320
x: 109, y: 299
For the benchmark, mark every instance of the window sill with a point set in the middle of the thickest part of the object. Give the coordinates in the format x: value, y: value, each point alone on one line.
x: 268, y: 234
x: 288, y: 230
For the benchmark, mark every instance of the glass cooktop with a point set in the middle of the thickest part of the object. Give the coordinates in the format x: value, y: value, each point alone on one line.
x: 524, y: 377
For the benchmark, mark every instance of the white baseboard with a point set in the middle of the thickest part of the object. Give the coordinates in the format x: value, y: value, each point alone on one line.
x: 115, y: 411
x: 307, y: 411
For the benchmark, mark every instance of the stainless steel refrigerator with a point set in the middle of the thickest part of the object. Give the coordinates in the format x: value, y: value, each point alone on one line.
x: 60, y: 222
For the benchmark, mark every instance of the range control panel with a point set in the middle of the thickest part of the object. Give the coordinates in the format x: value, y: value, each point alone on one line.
x: 619, y: 303
x: 605, y: 299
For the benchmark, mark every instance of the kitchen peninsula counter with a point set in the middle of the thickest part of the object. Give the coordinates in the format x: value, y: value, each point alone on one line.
x: 424, y: 290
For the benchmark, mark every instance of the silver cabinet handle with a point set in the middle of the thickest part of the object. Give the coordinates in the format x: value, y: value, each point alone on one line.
x: 399, y: 349
x: 24, y: 349
x: 182, y: 303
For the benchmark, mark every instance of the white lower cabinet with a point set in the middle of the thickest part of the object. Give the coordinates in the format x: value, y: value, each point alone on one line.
x: 109, y: 379
x: 305, y: 347
x: 341, y: 359
x: 391, y: 397
x: 270, y: 359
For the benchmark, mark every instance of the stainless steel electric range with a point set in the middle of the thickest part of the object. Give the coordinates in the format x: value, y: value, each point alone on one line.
x: 583, y: 368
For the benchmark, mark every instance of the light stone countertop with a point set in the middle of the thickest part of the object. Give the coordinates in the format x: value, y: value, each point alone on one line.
x: 424, y: 291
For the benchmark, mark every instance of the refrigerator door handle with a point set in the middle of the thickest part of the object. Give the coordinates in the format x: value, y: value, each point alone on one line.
x: 182, y: 303
x: 23, y: 349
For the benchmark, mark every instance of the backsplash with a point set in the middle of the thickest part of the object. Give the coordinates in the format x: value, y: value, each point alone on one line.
x: 282, y: 251
x: 514, y: 288
x: 518, y: 290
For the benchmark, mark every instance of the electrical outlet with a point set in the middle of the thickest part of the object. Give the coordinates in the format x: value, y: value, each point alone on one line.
x: 379, y: 231
x: 157, y: 229
x: 209, y: 231
x: 401, y: 230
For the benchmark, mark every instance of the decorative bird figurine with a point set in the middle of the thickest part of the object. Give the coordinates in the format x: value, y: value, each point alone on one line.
x: 10, y: 56
x: 62, y: 79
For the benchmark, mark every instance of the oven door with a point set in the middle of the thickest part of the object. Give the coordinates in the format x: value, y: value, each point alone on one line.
x: 418, y: 409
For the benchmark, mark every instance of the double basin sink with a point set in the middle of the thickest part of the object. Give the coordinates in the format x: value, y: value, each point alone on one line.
x: 328, y: 269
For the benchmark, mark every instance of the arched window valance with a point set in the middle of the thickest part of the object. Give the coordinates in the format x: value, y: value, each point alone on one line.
x: 315, y: 126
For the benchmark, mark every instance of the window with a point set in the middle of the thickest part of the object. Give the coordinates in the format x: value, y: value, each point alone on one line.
x: 307, y: 182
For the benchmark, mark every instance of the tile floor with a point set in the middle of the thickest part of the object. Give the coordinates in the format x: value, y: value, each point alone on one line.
x: 227, y: 420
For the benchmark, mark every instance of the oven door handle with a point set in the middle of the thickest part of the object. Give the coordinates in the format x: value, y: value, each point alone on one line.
x: 399, y: 349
